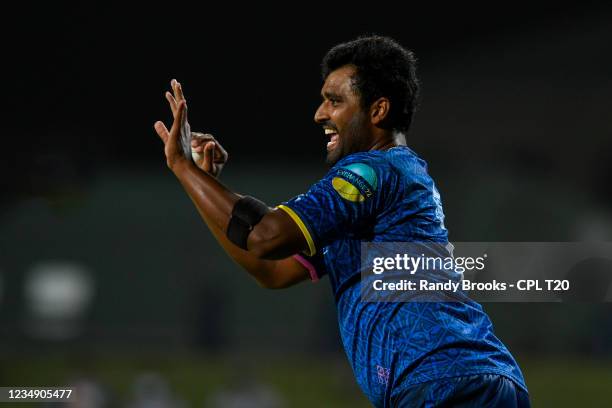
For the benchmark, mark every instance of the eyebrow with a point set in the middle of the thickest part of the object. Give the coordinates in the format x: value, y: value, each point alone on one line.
x: 330, y: 95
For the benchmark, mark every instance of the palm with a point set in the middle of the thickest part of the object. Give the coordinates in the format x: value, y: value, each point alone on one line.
x: 206, y: 151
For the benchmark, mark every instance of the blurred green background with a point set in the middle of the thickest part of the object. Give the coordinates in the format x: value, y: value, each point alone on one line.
x: 295, y: 381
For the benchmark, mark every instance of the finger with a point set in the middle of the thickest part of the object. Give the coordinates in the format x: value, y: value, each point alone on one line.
x: 220, y: 154
x: 197, y: 139
x: 200, y: 138
x: 162, y: 131
x: 196, y: 143
x: 199, y: 144
x: 177, y: 123
x: 172, y: 102
x: 178, y: 96
x: 178, y: 90
x: 200, y: 135
x: 208, y: 156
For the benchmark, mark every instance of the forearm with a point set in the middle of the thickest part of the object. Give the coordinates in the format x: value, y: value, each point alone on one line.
x: 262, y: 270
x: 275, y: 237
x: 214, y: 203
x: 212, y: 199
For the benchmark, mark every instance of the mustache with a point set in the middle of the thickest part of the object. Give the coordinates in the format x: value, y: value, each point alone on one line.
x: 329, y: 125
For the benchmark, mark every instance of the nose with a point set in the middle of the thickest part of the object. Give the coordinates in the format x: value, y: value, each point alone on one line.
x: 321, y: 114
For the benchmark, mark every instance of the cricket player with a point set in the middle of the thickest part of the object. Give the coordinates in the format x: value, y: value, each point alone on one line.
x: 410, y: 354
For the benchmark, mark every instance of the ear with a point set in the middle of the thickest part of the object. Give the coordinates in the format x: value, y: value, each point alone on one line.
x: 379, y: 110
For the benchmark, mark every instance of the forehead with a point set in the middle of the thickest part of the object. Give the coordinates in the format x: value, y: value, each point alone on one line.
x: 339, y: 81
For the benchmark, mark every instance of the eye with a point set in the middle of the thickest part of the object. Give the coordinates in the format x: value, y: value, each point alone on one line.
x: 334, y: 102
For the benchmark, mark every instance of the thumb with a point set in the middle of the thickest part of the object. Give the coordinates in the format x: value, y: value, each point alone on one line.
x: 162, y: 131
x: 209, y: 150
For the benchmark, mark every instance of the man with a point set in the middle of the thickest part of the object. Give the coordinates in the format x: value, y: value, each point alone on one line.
x: 403, y: 354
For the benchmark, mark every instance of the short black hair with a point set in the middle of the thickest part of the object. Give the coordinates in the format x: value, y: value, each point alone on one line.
x: 383, y: 69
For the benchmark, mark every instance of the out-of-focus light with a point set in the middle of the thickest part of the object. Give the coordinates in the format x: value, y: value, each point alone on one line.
x: 58, y: 295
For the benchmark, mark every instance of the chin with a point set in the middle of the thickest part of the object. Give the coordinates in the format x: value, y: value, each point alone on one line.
x: 332, y: 157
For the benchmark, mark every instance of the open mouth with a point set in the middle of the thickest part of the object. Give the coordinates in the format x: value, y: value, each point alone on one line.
x: 333, y: 142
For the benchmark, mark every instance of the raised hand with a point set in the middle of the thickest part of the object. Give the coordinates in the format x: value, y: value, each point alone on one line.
x: 172, y: 147
x: 206, y: 151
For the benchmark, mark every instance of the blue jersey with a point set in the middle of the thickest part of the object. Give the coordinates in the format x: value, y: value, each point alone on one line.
x: 388, y: 196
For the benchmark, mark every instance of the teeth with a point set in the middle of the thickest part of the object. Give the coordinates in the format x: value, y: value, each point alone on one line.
x: 329, y: 131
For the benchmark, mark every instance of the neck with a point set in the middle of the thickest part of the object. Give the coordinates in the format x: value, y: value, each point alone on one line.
x: 388, y: 140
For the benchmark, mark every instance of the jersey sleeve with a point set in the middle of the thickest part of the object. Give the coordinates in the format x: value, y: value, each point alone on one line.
x: 347, y: 198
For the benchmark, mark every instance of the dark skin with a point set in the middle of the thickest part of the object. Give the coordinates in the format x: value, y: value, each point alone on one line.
x: 341, y: 110
x: 276, y: 238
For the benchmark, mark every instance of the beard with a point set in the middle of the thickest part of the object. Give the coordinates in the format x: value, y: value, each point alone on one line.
x: 354, y: 138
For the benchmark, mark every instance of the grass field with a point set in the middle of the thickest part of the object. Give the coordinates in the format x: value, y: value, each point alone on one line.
x: 299, y: 381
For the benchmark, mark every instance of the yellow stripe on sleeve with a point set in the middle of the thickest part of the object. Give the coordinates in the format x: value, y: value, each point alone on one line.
x: 311, y: 246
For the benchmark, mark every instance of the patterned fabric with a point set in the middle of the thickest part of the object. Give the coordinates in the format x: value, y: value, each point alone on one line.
x: 387, y: 196
x: 476, y: 391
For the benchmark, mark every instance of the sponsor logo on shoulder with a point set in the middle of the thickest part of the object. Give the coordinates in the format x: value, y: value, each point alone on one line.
x: 356, y: 182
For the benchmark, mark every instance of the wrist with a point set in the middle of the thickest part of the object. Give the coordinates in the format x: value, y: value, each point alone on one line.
x: 180, y: 165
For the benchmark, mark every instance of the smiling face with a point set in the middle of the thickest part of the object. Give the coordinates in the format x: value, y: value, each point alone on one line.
x: 341, y: 115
